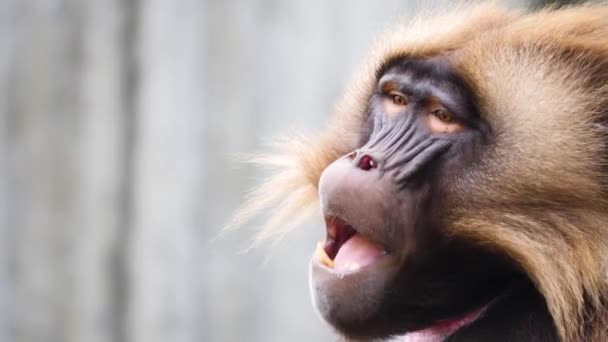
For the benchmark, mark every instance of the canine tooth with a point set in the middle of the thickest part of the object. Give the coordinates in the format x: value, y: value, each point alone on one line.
x: 323, y: 257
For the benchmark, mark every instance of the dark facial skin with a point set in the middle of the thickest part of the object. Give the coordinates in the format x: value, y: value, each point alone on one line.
x: 422, y: 133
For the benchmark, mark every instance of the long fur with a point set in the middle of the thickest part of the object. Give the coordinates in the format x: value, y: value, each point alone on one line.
x: 540, y: 196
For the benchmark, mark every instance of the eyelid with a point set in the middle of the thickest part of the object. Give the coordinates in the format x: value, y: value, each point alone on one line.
x: 387, y: 86
x: 394, y: 92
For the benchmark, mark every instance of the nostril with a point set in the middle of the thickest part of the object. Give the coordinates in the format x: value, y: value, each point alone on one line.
x: 367, y: 163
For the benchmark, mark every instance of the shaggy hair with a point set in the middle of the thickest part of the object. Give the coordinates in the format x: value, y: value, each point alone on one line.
x: 539, y: 194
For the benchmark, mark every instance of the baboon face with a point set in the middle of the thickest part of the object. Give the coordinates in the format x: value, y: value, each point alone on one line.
x: 385, y: 267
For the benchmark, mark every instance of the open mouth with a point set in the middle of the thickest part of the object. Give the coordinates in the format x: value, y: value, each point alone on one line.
x: 345, y: 250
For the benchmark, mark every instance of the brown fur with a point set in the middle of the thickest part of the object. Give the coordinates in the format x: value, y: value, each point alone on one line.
x: 540, y: 195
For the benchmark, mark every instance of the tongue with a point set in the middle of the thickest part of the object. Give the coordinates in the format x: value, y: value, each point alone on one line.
x: 355, y: 253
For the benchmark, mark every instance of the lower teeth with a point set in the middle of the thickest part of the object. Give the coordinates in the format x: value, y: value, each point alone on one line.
x: 323, y: 257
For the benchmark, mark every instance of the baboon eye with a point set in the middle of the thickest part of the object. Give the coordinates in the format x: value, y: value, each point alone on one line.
x: 399, y: 99
x: 443, y: 115
x: 394, y: 102
x: 441, y: 121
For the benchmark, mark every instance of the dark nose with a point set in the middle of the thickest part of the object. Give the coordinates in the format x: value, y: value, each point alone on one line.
x: 363, y: 161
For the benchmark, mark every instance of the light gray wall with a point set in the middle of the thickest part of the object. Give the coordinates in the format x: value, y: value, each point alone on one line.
x: 120, y: 126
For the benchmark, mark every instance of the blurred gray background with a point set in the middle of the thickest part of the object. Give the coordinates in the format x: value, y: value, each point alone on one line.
x: 120, y: 124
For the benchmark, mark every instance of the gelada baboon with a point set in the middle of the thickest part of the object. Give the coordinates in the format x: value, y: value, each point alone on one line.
x: 463, y: 182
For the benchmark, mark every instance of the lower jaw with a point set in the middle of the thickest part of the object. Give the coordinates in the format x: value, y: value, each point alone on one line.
x: 437, y: 332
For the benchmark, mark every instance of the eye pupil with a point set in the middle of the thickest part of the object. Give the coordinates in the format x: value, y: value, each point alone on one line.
x: 399, y: 100
x: 443, y: 115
